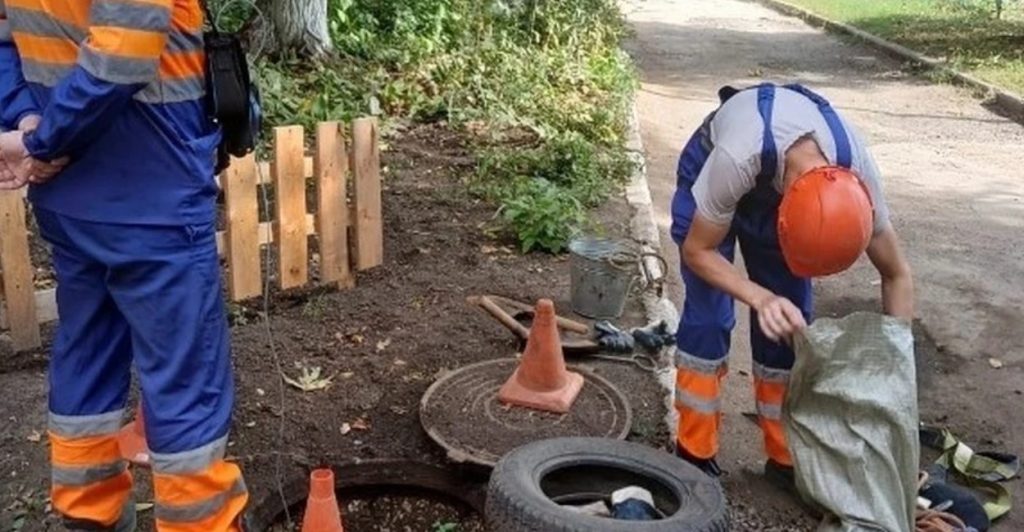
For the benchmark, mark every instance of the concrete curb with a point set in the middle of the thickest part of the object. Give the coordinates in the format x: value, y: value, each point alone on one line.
x: 643, y: 228
x: 1010, y: 103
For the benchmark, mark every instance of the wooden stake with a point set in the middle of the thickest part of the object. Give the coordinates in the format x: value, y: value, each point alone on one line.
x: 242, y: 232
x: 19, y: 292
x: 290, y: 199
x: 369, y: 222
x: 330, y: 168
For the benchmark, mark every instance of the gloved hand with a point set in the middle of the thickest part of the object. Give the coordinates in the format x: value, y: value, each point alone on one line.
x: 654, y: 336
x: 612, y: 338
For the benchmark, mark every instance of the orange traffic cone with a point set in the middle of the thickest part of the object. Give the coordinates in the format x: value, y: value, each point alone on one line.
x: 322, y: 512
x: 132, y: 440
x: 541, y: 381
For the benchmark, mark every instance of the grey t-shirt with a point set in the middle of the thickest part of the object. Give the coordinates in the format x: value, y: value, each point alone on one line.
x: 733, y: 166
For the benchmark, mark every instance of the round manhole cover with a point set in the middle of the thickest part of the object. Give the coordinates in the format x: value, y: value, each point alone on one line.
x: 461, y: 412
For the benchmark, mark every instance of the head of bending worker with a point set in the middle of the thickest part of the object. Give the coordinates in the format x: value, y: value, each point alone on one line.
x: 778, y: 170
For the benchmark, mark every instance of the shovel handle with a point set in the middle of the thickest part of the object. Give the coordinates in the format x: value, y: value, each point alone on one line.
x: 564, y: 323
x: 508, y: 321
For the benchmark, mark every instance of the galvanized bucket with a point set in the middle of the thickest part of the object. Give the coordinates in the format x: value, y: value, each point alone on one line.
x: 603, y: 271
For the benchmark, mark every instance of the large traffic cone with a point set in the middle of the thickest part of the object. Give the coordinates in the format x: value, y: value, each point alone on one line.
x: 541, y: 381
x: 322, y: 512
x: 132, y: 440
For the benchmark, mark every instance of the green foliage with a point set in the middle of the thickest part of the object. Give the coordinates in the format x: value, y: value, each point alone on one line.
x: 970, y: 34
x: 548, y: 70
x: 542, y: 214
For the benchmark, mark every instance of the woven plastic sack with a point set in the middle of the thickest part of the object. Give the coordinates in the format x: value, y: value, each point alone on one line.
x: 852, y: 423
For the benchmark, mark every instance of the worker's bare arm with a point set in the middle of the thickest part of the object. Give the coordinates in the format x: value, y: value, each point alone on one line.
x: 886, y: 254
x: 779, y: 317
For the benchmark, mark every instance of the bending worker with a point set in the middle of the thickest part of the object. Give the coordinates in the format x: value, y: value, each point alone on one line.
x: 779, y: 171
x: 116, y: 87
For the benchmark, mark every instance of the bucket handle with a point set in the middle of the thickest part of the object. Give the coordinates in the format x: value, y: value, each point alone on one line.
x: 649, y: 278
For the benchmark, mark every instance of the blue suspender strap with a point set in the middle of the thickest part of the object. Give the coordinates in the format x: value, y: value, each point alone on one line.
x: 844, y: 155
x: 769, y: 155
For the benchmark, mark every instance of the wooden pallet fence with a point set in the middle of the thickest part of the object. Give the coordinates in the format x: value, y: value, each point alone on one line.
x: 347, y: 222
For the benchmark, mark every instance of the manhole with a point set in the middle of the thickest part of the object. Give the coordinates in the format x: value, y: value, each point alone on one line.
x: 461, y: 412
x: 360, y: 484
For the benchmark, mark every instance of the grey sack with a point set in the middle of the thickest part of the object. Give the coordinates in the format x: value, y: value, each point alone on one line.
x: 851, y: 421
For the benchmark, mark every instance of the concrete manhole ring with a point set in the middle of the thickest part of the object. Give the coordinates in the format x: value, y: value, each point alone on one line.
x: 462, y: 414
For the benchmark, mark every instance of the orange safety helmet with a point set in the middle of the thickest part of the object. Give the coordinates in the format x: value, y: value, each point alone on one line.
x: 825, y: 222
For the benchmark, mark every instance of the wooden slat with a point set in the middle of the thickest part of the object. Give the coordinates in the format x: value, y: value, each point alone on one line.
x: 267, y: 234
x: 264, y: 170
x: 290, y: 201
x: 243, y: 225
x: 19, y: 292
x: 369, y: 223
x: 331, y: 165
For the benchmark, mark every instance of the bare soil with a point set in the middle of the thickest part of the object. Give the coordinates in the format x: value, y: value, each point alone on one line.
x: 382, y: 344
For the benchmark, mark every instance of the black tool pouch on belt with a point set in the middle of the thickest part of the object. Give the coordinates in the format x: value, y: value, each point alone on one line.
x: 232, y: 99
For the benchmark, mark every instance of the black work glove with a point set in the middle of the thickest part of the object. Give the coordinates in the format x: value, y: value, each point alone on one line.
x: 612, y: 338
x: 654, y: 337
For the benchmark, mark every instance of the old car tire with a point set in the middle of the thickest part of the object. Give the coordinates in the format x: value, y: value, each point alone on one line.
x: 524, y: 482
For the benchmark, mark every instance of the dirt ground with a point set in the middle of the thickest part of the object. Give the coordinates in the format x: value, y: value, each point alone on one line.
x: 383, y: 343
x: 953, y: 180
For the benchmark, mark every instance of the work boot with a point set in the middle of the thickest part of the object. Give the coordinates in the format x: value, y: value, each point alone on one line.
x: 708, y: 465
x: 781, y: 476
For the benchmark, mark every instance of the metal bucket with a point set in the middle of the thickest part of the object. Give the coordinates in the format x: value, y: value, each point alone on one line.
x: 603, y: 271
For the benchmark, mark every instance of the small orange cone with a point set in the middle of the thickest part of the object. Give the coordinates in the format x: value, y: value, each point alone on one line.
x: 322, y: 512
x: 541, y: 381
x: 132, y: 440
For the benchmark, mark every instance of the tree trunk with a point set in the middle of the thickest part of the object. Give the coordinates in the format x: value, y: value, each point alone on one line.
x: 297, y: 26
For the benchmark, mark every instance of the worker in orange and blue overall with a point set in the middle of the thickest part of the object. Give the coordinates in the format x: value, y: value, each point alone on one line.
x: 778, y: 170
x: 103, y: 101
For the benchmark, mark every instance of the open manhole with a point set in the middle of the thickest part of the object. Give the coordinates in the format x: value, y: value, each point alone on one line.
x: 461, y: 412
x: 382, y: 495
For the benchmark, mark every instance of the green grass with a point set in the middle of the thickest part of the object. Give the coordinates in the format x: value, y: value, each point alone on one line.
x: 965, y: 33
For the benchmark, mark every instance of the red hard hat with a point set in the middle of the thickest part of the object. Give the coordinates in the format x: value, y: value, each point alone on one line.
x: 825, y: 222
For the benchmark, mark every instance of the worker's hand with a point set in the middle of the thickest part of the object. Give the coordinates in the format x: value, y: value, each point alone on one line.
x: 29, y: 123
x: 41, y: 171
x: 15, y: 159
x: 779, y: 318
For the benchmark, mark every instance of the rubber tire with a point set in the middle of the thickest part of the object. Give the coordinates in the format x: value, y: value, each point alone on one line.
x: 516, y: 503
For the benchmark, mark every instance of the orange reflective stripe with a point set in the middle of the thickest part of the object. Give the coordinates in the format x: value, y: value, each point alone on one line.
x: 101, y: 501
x: 123, y: 42
x: 45, y: 49
x: 83, y: 452
x: 699, y: 384
x: 227, y: 519
x: 180, y: 490
x: 775, y: 442
x: 183, y: 65
x: 188, y: 17
x: 76, y: 13
x: 697, y: 432
x: 769, y: 392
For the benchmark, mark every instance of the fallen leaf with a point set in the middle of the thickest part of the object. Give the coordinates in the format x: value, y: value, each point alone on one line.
x: 347, y: 375
x: 487, y: 250
x: 309, y: 379
x: 361, y: 424
x: 399, y: 362
x: 143, y: 506
x: 35, y: 437
x: 995, y: 363
x: 250, y: 424
x: 357, y: 339
x: 345, y: 428
x: 383, y: 344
